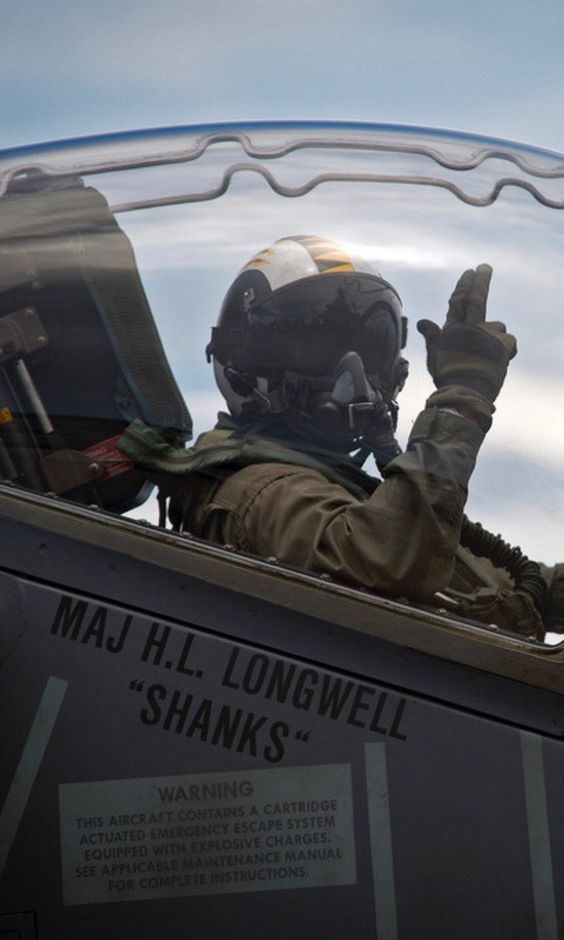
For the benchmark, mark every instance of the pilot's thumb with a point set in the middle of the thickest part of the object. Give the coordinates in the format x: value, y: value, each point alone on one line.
x: 429, y: 331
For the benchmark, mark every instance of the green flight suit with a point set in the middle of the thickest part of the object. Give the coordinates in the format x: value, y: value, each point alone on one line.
x: 401, y: 540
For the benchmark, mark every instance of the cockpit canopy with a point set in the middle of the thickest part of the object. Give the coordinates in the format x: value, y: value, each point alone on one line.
x: 116, y: 253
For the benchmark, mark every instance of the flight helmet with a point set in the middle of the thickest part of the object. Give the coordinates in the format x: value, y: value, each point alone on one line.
x: 309, y: 329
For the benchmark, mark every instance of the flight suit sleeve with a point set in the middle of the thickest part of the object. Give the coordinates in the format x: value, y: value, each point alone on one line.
x: 399, y: 541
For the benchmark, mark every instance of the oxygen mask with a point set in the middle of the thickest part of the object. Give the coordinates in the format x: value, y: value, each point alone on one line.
x: 355, y: 411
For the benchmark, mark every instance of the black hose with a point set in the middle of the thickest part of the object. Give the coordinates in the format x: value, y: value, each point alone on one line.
x: 525, y: 573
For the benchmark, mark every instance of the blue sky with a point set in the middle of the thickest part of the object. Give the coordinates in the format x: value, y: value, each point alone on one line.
x: 72, y: 67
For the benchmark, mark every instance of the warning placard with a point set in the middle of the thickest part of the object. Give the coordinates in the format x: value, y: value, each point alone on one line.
x: 162, y: 837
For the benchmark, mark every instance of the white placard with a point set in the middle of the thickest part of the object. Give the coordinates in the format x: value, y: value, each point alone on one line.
x: 163, y: 837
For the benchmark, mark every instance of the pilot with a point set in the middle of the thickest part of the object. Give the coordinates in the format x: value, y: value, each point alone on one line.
x: 307, y: 353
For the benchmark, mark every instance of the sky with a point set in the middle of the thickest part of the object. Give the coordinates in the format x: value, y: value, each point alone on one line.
x: 77, y: 67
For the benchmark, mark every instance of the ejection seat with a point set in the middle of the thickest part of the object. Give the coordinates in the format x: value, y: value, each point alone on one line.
x: 80, y: 355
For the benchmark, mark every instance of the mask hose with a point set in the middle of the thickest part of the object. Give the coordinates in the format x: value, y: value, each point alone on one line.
x: 380, y: 440
x: 525, y: 573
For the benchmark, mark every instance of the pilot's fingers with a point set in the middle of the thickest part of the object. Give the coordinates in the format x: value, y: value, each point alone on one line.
x: 459, y: 297
x: 511, y: 346
x: 429, y: 330
x: 478, y: 294
x: 507, y: 340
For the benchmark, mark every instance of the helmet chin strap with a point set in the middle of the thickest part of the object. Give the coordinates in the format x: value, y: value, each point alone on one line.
x: 356, y: 408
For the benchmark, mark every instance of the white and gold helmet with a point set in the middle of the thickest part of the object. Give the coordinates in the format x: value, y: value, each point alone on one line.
x: 307, y: 327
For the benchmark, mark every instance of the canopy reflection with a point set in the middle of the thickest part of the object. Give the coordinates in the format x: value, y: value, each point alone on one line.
x: 421, y: 206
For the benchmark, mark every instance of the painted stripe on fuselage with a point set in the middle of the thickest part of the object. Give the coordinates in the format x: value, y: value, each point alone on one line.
x: 539, y: 836
x: 30, y: 762
x: 381, y: 841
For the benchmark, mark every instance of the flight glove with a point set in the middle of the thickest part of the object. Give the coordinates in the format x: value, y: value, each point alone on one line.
x: 469, y: 351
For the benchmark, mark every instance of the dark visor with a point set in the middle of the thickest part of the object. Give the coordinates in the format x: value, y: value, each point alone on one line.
x: 307, y: 328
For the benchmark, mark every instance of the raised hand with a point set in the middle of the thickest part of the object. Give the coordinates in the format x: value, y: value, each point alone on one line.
x: 468, y: 350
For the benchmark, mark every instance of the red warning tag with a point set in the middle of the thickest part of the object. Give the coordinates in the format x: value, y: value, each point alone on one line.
x: 108, y: 453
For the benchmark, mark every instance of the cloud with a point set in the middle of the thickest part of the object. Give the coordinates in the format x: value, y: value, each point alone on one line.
x: 102, y: 66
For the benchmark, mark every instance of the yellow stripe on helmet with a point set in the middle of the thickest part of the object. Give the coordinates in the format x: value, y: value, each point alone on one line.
x: 329, y: 257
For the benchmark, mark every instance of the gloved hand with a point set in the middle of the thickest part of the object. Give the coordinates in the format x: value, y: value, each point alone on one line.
x: 468, y: 350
